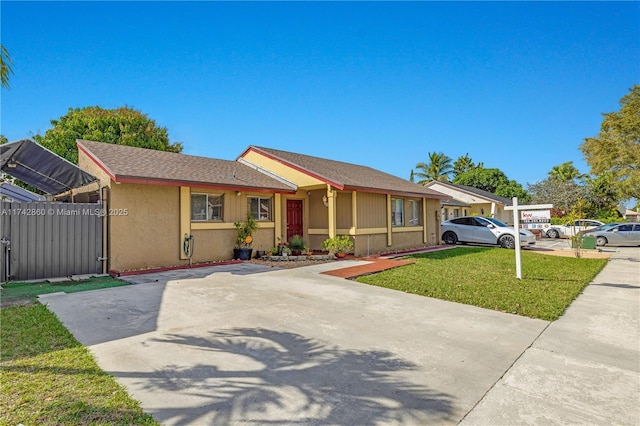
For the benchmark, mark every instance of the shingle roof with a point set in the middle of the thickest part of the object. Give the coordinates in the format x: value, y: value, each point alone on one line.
x: 139, y: 165
x: 480, y: 192
x: 348, y: 176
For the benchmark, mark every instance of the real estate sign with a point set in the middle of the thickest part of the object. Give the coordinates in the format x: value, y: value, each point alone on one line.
x: 535, y: 219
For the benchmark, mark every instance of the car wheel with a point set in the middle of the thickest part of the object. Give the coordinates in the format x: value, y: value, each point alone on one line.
x: 553, y: 233
x: 507, y: 241
x: 449, y: 238
x: 601, y: 241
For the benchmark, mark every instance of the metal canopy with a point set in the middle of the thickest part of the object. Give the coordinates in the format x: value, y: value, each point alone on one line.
x: 15, y: 193
x: 41, y: 168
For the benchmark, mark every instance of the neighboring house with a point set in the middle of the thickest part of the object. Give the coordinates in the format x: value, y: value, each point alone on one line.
x: 481, y: 203
x: 158, y: 198
x: 631, y: 215
x: 453, y: 208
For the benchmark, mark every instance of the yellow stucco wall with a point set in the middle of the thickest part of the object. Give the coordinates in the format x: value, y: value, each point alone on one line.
x: 90, y: 167
x: 148, y: 234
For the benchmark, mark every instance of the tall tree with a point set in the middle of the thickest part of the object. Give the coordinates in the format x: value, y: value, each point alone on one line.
x: 485, y: 179
x: 5, y: 66
x: 121, y: 126
x: 439, y: 169
x: 616, y: 148
x: 463, y: 164
x: 562, y: 194
x: 565, y: 172
x: 494, y: 181
x: 513, y: 189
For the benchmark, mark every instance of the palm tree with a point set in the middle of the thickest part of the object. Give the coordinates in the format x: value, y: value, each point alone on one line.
x: 462, y: 164
x: 565, y: 172
x: 5, y: 66
x: 439, y: 168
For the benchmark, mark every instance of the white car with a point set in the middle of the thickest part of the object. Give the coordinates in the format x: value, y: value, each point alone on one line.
x: 483, y: 230
x: 570, y: 229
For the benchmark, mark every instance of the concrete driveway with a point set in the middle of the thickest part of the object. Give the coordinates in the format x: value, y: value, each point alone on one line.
x: 246, y: 344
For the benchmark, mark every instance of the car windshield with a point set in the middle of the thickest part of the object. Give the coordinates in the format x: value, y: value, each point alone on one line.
x: 496, y: 222
x: 605, y: 227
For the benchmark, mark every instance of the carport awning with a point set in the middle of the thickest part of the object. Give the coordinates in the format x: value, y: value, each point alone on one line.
x: 41, y: 168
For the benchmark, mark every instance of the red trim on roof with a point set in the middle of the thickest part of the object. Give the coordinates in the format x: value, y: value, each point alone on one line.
x: 166, y: 182
x: 293, y: 166
x: 97, y: 162
x: 402, y: 193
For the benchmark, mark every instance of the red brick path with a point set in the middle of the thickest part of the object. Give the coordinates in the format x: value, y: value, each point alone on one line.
x: 375, y: 265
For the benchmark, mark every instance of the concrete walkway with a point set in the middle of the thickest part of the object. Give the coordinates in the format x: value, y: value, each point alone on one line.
x: 585, y: 367
x: 246, y: 344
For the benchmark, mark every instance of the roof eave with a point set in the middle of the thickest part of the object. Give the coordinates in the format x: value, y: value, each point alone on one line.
x: 401, y: 193
x: 195, y: 184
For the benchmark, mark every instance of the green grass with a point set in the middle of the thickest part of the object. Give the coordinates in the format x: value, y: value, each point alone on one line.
x: 485, y: 277
x: 48, y: 378
x: 26, y: 292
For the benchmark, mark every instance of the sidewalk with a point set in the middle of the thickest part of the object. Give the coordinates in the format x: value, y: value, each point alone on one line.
x: 585, y: 367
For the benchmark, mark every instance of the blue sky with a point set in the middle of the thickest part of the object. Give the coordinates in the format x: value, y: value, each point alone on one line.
x: 517, y: 85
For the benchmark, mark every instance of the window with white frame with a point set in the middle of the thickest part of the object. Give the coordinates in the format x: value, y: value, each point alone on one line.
x: 415, y: 208
x: 397, y: 212
x: 207, y: 207
x: 260, y: 208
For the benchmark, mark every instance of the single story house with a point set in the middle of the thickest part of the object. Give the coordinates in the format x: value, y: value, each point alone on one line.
x: 631, y: 215
x: 474, y: 201
x: 155, y: 199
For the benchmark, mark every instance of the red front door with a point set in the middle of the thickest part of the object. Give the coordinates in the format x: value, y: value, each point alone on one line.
x: 294, y: 218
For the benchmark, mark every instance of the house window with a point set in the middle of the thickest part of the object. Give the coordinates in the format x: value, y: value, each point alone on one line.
x: 397, y: 212
x: 414, y: 212
x: 456, y: 212
x: 260, y: 208
x: 207, y: 207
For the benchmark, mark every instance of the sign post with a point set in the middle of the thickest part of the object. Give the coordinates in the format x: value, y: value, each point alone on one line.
x: 516, y: 227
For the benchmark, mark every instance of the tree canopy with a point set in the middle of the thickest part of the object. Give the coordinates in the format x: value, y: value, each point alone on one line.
x: 616, y: 149
x: 563, y: 194
x: 121, y: 126
x: 464, y: 163
x: 438, y: 168
x: 494, y: 181
x: 565, y: 172
x: 485, y: 179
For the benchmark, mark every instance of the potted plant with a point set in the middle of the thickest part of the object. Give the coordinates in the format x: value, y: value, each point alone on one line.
x: 296, y: 244
x: 244, y: 238
x: 339, y: 245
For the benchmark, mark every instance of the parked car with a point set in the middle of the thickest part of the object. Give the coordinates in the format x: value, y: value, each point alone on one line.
x: 570, y: 229
x: 483, y: 230
x: 622, y: 234
x: 600, y: 228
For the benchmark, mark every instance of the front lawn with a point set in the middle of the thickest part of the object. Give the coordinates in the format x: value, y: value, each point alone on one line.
x: 485, y: 277
x: 48, y: 378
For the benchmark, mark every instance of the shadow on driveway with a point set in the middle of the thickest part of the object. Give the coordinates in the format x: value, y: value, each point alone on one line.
x: 272, y: 377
